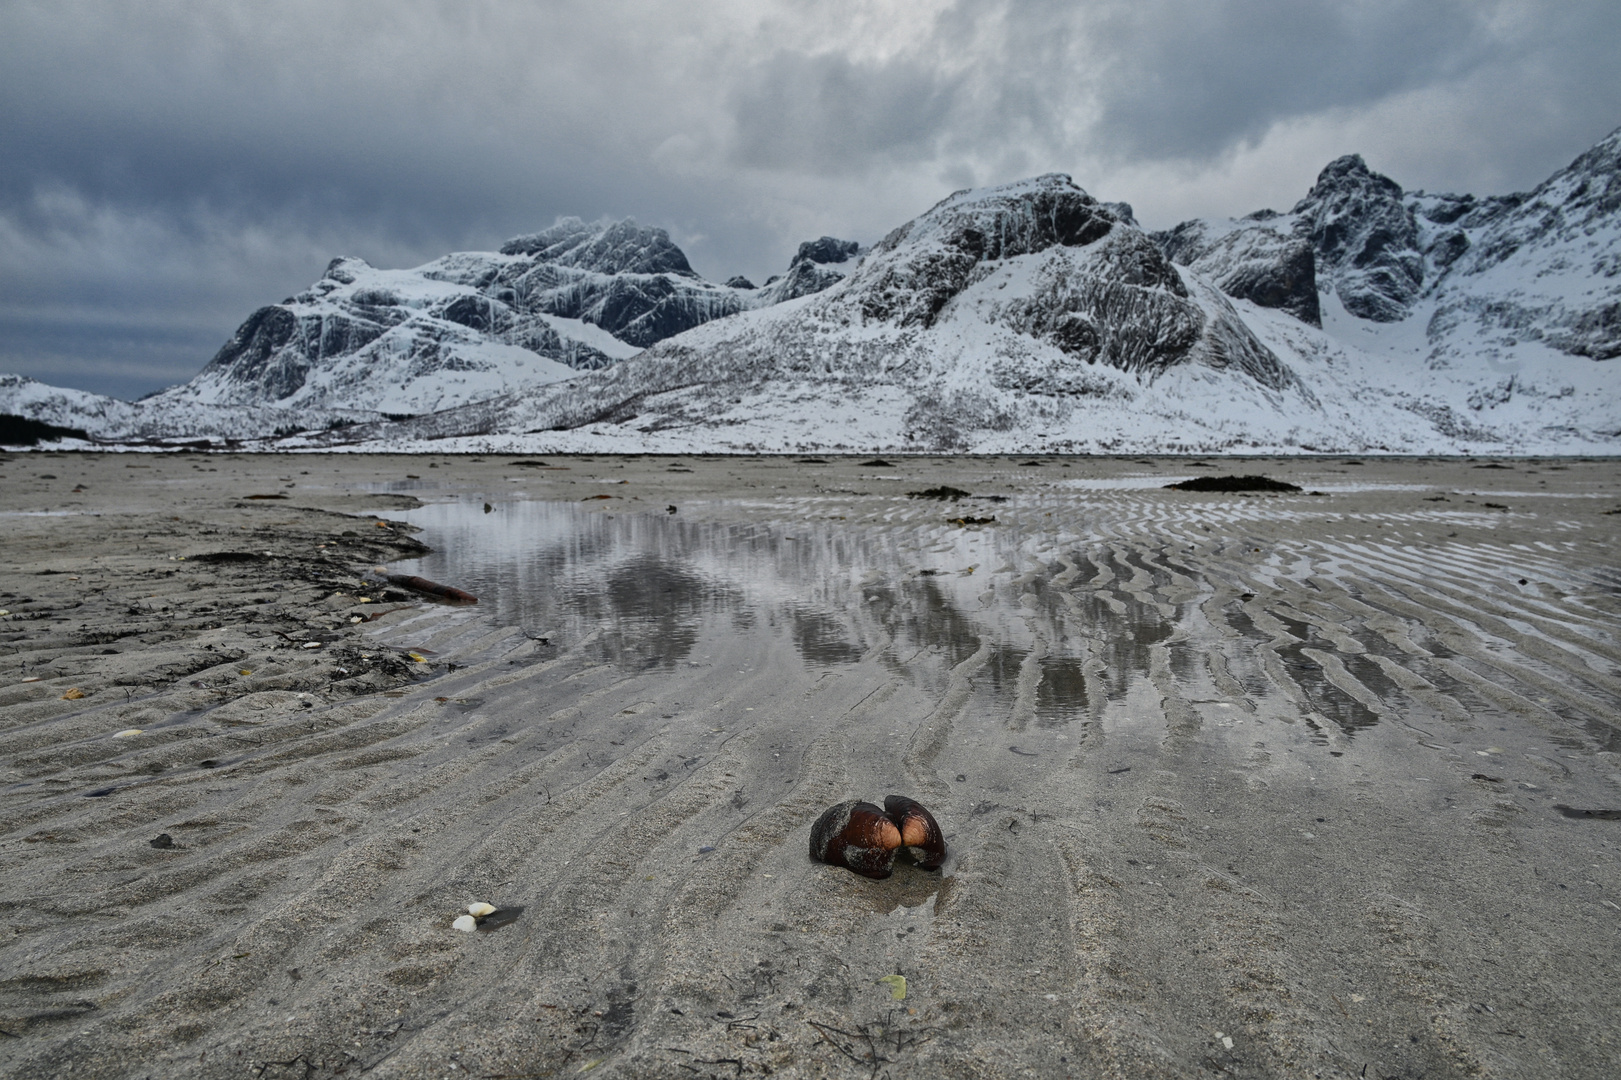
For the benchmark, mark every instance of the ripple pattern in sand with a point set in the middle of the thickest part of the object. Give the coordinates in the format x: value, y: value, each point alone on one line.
x: 1249, y: 785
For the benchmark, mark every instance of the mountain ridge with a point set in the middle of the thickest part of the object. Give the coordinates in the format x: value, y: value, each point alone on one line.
x: 1023, y: 316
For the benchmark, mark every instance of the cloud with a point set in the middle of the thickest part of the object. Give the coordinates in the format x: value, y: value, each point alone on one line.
x: 1194, y: 78
x: 829, y: 114
x: 172, y: 165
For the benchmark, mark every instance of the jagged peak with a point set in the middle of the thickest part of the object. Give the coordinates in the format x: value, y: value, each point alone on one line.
x: 345, y: 269
x: 1005, y: 220
x: 1346, y: 174
x: 826, y: 250
x: 604, y: 246
x: 1124, y: 212
x: 1046, y: 183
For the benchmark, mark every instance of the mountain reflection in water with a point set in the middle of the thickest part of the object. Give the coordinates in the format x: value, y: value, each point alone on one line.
x: 1062, y: 638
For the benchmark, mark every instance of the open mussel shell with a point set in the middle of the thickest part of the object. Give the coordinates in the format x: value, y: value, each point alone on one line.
x: 920, y: 833
x: 857, y: 836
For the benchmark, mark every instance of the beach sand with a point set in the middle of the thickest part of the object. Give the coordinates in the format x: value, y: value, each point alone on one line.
x: 1307, y: 785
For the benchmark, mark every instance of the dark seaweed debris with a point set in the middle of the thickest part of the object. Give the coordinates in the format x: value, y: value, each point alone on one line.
x: 941, y: 492
x: 1234, y: 483
x: 1588, y: 815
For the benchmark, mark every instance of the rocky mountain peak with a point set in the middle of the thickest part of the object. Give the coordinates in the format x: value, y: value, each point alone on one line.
x: 345, y: 269
x: 1348, y: 173
x: 1365, y: 239
x: 1026, y: 295
x: 1589, y: 187
x: 910, y: 275
x: 826, y: 250
x: 604, y: 247
x: 1007, y: 220
x: 1257, y: 258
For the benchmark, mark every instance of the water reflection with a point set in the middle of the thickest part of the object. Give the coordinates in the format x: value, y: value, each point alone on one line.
x: 1061, y: 694
x: 1059, y: 643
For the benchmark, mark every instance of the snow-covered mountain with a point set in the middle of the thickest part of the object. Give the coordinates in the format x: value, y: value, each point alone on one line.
x: 1030, y: 316
x: 999, y: 309
x: 469, y: 326
x: 1487, y: 274
x: 1015, y: 318
x: 364, y: 343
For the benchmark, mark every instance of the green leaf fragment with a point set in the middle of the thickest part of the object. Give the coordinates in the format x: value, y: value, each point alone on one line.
x: 897, y: 986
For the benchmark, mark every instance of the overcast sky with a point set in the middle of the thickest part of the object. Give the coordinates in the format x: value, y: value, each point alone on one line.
x: 166, y: 167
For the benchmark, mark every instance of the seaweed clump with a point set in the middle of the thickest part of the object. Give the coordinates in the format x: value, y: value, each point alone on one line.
x: 1234, y: 483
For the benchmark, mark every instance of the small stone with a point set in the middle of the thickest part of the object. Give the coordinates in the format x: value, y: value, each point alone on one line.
x: 465, y: 923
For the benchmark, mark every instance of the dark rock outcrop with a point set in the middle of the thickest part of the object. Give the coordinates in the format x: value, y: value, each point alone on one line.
x: 622, y: 247
x: 1252, y: 261
x: 943, y: 247
x: 257, y: 353
x: 825, y: 250
x: 1365, y: 239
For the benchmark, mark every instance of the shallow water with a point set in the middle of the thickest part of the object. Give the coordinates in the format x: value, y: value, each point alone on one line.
x: 1049, y: 626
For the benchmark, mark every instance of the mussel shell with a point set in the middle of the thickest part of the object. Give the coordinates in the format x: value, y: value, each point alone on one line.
x: 917, y: 824
x: 857, y: 836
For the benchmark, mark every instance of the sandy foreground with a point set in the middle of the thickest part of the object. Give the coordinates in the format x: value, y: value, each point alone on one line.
x: 1315, y: 785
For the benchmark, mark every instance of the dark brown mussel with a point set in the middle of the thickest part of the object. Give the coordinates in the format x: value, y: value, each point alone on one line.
x: 920, y: 833
x: 857, y: 836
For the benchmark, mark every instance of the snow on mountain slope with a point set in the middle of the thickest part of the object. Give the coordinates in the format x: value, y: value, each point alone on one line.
x: 1026, y: 312
x: 468, y: 326
x: 1023, y: 317
x: 394, y: 341
x: 1029, y: 316
x: 109, y: 419
x: 366, y: 343
x: 1543, y: 266
x: 1260, y: 259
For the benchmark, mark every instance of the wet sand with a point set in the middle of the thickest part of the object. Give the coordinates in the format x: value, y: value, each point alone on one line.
x: 1282, y: 785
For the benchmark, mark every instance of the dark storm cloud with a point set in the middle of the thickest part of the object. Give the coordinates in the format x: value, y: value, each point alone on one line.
x: 166, y: 167
x: 1192, y: 79
x: 1189, y: 79
x: 828, y: 113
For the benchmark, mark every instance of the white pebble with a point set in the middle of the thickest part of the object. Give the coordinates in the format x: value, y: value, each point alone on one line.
x: 127, y: 733
x: 478, y: 911
x: 465, y: 922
